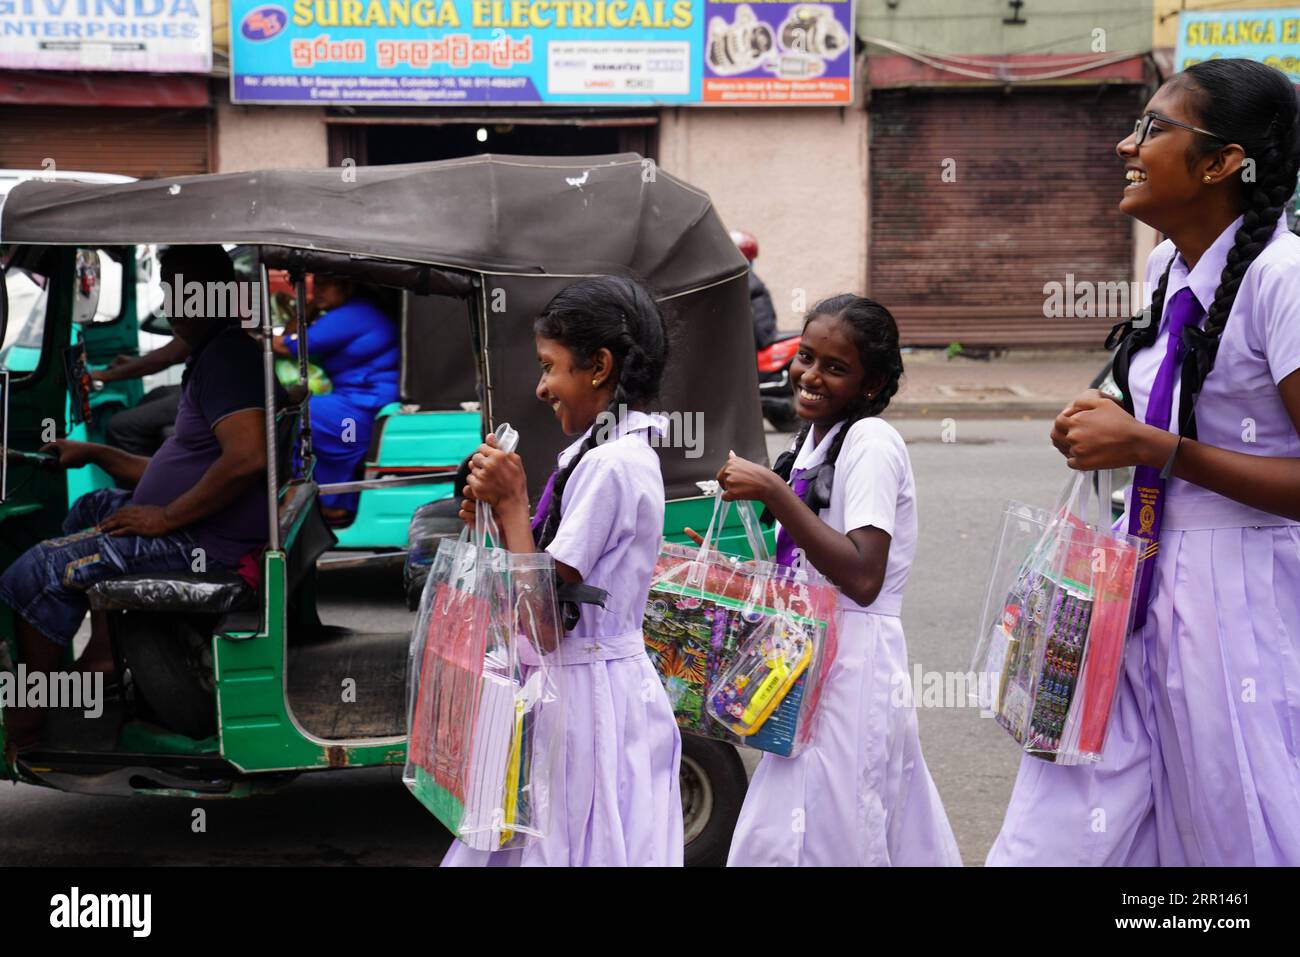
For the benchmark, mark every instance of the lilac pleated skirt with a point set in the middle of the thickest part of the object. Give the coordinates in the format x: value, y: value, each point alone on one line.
x: 1201, y: 764
x: 617, y: 801
x: 860, y: 794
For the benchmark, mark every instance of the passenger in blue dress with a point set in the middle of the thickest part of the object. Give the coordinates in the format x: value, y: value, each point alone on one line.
x: 359, y: 346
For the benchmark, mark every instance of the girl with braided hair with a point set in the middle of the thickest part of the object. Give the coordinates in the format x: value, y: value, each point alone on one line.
x: 860, y: 793
x: 602, y: 347
x: 1202, y: 759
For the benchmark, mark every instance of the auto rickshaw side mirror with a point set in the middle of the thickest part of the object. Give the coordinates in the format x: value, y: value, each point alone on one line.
x: 85, y: 298
x: 144, y: 260
x: 156, y: 324
x: 4, y: 304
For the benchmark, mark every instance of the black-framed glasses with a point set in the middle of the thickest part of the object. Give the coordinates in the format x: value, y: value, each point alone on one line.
x: 1143, y: 126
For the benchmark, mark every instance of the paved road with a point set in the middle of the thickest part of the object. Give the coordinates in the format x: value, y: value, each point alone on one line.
x: 366, y: 817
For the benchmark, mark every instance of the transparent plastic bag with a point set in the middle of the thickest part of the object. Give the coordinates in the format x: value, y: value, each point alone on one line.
x: 711, y: 618
x: 1056, y: 615
x: 485, y: 723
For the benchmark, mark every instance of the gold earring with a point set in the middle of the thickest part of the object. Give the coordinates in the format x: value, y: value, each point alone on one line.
x: 595, y: 384
x: 1206, y: 179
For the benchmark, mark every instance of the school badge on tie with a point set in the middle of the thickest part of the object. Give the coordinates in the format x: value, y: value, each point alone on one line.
x: 1147, y: 499
x: 1149, y: 487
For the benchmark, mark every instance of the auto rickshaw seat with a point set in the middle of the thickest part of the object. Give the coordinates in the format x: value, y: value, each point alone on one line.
x: 215, y: 592
x: 211, y: 592
x: 305, y: 538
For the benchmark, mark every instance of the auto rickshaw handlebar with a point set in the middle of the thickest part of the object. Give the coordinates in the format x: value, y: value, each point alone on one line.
x: 31, y: 458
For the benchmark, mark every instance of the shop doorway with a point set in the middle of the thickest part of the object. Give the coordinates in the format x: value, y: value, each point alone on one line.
x: 384, y: 140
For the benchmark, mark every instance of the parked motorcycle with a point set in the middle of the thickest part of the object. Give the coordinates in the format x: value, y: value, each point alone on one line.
x: 774, y: 388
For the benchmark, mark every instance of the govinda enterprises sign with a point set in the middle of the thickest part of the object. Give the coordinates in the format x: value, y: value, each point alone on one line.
x: 576, y: 52
x: 1269, y: 36
x: 158, y: 36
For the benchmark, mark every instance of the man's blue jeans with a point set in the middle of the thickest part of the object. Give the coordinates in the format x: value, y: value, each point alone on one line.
x: 47, y: 584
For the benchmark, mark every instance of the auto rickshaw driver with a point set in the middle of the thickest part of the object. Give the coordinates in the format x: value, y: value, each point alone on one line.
x: 197, y: 504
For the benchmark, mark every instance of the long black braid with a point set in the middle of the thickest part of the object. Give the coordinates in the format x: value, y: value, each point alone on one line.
x: 614, y: 313
x: 876, y: 336
x: 1254, y: 106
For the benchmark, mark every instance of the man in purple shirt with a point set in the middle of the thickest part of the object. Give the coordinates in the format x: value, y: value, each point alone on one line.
x: 199, y: 504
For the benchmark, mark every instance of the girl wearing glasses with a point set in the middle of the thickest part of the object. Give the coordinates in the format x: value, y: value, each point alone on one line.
x: 1202, y: 760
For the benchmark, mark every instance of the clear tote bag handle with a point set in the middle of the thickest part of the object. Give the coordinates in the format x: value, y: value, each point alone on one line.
x: 485, y: 524
x: 1079, y: 490
x: 748, y: 519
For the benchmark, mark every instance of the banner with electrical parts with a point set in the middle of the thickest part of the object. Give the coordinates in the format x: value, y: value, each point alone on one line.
x: 542, y: 52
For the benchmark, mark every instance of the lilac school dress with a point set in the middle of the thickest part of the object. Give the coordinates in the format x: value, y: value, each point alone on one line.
x: 860, y: 794
x: 617, y: 801
x: 1201, y: 764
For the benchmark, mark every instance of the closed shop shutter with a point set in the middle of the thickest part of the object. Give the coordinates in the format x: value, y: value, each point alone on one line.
x: 1030, y: 198
x: 144, y: 143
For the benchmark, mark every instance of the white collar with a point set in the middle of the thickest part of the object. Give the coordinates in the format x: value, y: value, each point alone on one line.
x: 633, y: 421
x: 1204, y: 277
x: 810, y: 455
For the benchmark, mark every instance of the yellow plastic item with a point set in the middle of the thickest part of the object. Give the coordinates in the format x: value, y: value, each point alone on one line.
x: 512, y: 773
x: 780, y: 679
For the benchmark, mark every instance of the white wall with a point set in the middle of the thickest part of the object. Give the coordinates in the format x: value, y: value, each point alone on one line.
x: 796, y: 178
x: 270, y: 137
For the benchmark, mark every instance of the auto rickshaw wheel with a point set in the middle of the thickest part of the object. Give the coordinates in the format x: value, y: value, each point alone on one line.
x: 170, y: 661
x: 713, y: 785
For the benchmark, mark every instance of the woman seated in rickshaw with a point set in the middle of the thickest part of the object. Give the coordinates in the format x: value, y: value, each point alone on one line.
x: 357, y: 343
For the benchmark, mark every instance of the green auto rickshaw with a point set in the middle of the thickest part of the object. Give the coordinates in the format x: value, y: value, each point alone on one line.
x: 230, y: 690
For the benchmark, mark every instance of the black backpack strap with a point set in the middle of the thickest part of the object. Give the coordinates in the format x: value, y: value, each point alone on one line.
x: 1123, y: 340
x: 571, y: 596
x: 783, y: 466
x: 1119, y: 372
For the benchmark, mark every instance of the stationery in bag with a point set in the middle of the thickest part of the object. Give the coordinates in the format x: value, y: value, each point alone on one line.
x: 1056, y: 616
x: 712, y: 627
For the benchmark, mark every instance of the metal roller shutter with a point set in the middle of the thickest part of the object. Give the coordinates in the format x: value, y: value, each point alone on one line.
x: 144, y: 143
x: 1035, y: 196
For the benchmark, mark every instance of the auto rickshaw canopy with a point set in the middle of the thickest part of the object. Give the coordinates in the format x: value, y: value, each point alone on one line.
x: 577, y: 215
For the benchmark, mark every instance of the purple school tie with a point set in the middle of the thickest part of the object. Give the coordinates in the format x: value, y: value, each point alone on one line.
x: 1147, y: 502
x: 784, y: 543
x: 544, y: 504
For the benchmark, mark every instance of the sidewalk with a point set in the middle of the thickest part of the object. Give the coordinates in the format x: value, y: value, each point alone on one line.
x: 1026, y: 382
